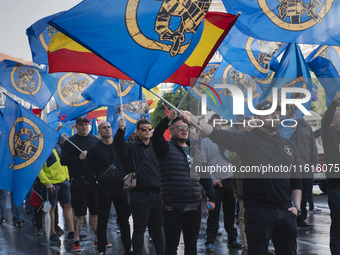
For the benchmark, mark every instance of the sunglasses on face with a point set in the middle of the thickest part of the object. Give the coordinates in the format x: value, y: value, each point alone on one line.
x: 145, y: 128
x: 181, y: 127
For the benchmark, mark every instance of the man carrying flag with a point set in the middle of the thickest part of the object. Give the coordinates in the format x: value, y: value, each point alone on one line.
x: 83, y: 193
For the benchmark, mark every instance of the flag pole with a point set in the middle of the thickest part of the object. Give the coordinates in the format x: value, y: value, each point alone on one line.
x: 175, y: 108
x: 184, y: 97
x: 121, y: 100
x: 72, y: 143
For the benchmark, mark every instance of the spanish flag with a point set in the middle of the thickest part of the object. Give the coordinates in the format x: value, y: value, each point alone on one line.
x: 66, y: 55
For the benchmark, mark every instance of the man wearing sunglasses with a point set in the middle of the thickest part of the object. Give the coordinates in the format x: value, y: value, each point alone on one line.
x: 180, y: 187
x: 145, y: 201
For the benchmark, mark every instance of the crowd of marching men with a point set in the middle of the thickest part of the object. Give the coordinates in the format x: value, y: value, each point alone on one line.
x: 157, y: 182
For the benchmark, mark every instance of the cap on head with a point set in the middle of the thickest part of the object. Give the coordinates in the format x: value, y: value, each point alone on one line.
x: 266, y: 105
x: 81, y: 119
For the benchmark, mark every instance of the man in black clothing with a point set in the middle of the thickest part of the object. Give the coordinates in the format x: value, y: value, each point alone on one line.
x: 271, y: 204
x: 103, y: 167
x: 180, y: 187
x: 145, y: 202
x: 83, y: 194
x: 303, y: 138
x: 330, y: 134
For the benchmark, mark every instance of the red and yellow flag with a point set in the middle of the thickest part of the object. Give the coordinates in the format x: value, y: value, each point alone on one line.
x: 217, y: 25
x: 66, y: 55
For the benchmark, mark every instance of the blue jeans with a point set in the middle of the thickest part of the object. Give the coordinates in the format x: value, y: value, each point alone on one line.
x: 146, y: 210
x: 334, y: 206
x: 263, y: 224
x: 17, y: 211
x: 3, y: 198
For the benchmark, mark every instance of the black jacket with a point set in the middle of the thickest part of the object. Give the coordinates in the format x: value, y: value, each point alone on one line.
x: 70, y: 154
x: 331, y: 145
x: 257, y: 148
x: 179, y: 186
x: 133, y: 154
x: 99, y: 158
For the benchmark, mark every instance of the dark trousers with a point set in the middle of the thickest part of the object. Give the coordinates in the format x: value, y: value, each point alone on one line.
x: 334, y: 206
x: 225, y: 196
x: 310, y: 198
x: 175, y: 223
x: 304, y: 193
x: 119, y: 199
x: 146, y: 211
x: 263, y: 224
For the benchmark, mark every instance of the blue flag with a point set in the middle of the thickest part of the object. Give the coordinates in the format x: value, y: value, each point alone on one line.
x: 221, y: 100
x: 105, y: 91
x: 68, y: 88
x: 132, y: 112
x: 94, y: 129
x: 1, y: 121
x: 26, y: 142
x: 309, y: 22
x: 26, y: 82
x: 249, y: 55
x: 39, y: 37
x: 54, y: 122
x: 177, y: 86
x: 325, y: 63
x: 147, y: 40
x: 292, y: 72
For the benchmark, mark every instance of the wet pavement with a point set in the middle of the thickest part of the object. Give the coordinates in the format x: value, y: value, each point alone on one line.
x: 24, y: 242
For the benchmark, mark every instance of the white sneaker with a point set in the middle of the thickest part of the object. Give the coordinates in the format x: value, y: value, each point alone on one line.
x: 219, y: 231
x: 315, y: 209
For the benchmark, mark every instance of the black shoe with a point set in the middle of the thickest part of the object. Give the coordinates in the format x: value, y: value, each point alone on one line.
x: 14, y: 219
x: 19, y: 224
x: 70, y: 235
x: 304, y: 225
x: 54, y: 238
x: 59, y: 230
x: 38, y: 232
x: 82, y: 236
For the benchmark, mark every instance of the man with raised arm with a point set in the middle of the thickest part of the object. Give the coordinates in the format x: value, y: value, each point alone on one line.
x: 272, y: 201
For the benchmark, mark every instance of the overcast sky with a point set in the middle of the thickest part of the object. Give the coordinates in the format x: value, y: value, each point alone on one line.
x: 17, y: 15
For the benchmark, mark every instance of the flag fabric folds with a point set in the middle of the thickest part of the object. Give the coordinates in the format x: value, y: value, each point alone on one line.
x: 68, y: 88
x: 324, y: 61
x: 26, y: 142
x: 249, y: 55
x: 147, y: 40
x: 216, y: 27
x: 220, y: 100
x: 309, y: 22
x: 39, y: 37
x: 26, y: 82
x: 67, y: 55
x: 132, y: 112
x: 54, y: 122
x: 292, y: 72
x: 105, y: 91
